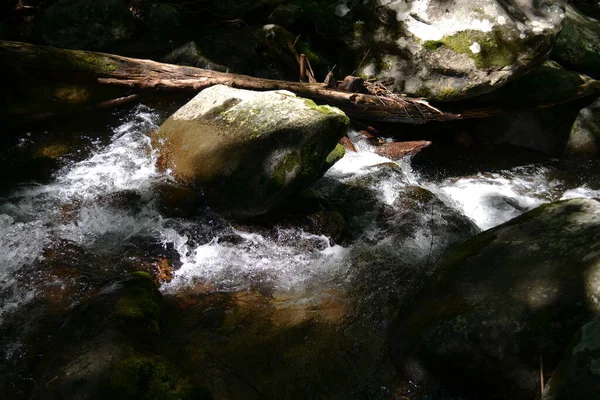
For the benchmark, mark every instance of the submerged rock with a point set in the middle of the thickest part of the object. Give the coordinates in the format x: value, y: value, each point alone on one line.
x: 249, y: 151
x: 108, y: 349
x: 448, y: 50
x: 503, y: 299
x: 578, y: 45
x: 86, y: 24
x: 578, y: 376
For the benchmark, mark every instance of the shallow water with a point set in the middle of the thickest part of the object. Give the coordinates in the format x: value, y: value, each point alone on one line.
x: 105, y: 203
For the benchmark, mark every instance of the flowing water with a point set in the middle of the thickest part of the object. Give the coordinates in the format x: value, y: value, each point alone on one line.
x: 103, y: 204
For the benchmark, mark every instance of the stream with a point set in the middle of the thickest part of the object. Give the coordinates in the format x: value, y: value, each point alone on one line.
x: 98, y: 217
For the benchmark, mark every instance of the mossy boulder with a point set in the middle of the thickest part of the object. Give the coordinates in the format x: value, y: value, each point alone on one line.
x: 503, y: 299
x: 578, y: 45
x: 584, y: 141
x: 578, y: 376
x: 86, y: 24
x: 122, y: 321
x: 249, y: 151
x: 447, y: 50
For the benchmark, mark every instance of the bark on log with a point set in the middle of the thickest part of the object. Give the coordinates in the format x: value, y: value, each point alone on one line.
x: 108, y: 69
x: 137, y: 75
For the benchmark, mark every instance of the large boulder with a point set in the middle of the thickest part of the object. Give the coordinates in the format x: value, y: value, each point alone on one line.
x: 578, y: 376
x: 448, y: 50
x: 249, y: 151
x: 584, y: 141
x: 86, y: 24
x: 503, y: 299
x: 578, y: 45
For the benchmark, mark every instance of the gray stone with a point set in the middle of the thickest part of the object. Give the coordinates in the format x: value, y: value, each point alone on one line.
x: 249, y: 151
x: 449, y: 50
x: 502, y: 299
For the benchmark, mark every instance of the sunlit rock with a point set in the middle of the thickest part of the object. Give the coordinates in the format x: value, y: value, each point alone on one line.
x: 448, y: 50
x: 249, y: 151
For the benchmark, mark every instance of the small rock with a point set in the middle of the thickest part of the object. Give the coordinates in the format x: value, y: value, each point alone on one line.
x: 397, y: 150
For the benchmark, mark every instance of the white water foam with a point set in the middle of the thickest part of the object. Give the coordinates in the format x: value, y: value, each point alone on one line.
x: 70, y: 208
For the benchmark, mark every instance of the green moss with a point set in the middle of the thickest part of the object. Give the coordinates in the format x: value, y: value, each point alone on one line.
x: 89, y: 62
x: 142, y: 303
x: 287, y: 165
x: 148, y: 378
x: 498, y: 49
x: 336, y: 154
x: 448, y: 93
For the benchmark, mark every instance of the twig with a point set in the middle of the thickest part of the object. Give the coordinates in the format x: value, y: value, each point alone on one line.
x: 361, y: 61
x: 542, y: 374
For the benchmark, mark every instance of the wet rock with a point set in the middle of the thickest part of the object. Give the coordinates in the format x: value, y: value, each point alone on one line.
x: 397, y: 150
x: 578, y: 45
x: 86, y: 24
x: 584, y: 141
x: 108, y: 348
x: 578, y: 375
x: 447, y: 51
x: 503, y: 299
x: 380, y: 206
x: 249, y: 151
x: 251, y: 345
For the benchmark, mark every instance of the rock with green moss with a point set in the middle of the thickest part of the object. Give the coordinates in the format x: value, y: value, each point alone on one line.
x: 249, y: 151
x: 86, y: 24
x: 584, y: 141
x: 121, y: 320
x: 578, y: 376
x: 447, y: 50
x: 578, y: 45
x: 336, y: 155
x: 503, y: 299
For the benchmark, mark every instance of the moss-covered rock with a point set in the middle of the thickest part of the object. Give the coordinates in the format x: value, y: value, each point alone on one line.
x: 578, y: 45
x: 86, y: 24
x: 578, y: 376
x: 503, y: 299
x: 446, y: 51
x: 121, y: 322
x: 249, y: 151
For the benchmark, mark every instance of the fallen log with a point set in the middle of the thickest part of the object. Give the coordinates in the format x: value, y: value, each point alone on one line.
x: 108, y: 69
x: 136, y: 75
